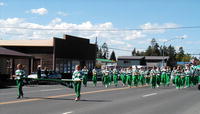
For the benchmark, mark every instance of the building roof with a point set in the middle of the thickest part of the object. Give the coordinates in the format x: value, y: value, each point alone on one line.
x: 141, y: 57
x: 131, y: 57
x: 26, y: 42
x: 8, y: 52
x: 105, y: 60
x: 156, y: 57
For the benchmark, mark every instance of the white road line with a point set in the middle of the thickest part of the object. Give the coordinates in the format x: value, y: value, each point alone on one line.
x: 50, y: 89
x: 147, y: 95
x: 68, y: 112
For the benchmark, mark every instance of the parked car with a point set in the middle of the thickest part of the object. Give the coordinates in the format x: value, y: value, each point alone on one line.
x: 51, y: 75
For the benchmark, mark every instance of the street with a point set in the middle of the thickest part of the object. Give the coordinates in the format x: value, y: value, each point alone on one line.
x: 57, y: 99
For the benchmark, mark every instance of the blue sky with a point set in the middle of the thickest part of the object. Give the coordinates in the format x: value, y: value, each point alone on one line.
x: 104, y: 15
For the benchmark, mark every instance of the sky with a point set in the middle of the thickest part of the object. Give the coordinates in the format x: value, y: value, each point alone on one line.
x: 119, y: 23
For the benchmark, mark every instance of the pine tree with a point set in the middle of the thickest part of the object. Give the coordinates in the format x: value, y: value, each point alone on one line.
x: 134, y: 52
x: 112, y: 56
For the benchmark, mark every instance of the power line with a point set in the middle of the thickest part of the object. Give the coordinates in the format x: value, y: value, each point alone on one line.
x: 131, y: 29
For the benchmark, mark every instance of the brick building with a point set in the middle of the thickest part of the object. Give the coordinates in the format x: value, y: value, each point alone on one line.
x: 59, y: 54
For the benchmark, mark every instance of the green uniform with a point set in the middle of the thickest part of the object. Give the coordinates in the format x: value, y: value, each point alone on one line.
x: 173, y: 76
x: 142, y: 77
x: 188, y: 75
x: 178, y: 79
x: 19, y: 81
x: 105, y: 79
x: 77, y: 77
x: 164, y: 77
x: 85, y: 76
x: 168, y: 77
x: 194, y: 77
x: 94, y: 77
x: 158, y: 77
x: 115, y: 77
x: 123, y: 77
x: 136, y: 77
x: 129, y: 77
x: 147, y: 77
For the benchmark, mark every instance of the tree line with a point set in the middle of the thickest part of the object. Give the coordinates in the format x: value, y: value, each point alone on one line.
x: 154, y: 49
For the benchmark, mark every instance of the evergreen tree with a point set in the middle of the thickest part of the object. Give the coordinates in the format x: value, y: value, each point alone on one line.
x: 180, y: 54
x: 134, y: 52
x: 112, y: 56
x: 105, y: 51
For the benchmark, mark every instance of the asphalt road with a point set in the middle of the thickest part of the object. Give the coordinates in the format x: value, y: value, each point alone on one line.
x: 56, y: 99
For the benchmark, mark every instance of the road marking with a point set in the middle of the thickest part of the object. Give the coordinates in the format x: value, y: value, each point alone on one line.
x: 147, y: 95
x: 68, y: 112
x: 64, y: 95
x: 50, y: 89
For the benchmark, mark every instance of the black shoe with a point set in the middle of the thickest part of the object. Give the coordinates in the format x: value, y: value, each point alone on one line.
x: 18, y: 97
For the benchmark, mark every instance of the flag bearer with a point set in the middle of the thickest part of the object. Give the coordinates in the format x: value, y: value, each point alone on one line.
x: 129, y: 76
x: 77, y: 78
x: 115, y: 76
x: 85, y: 76
x: 94, y: 76
x: 19, y: 75
x: 153, y: 77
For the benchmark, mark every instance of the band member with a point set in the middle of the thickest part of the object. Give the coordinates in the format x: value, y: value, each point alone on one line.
x: 168, y: 76
x: 173, y: 75
x: 153, y: 77
x: 77, y: 78
x: 105, y: 79
x: 110, y: 76
x: 178, y: 74
x: 188, y: 75
x: 19, y: 75
x: 85, y: 76
x: 135, y: 74
x: 142, y: 76
x: 164, y: 76
x: 129, y: 76
x: 123, y: 76
x: 94, y: 76
x: 158, y: 76
x: 115, y: 76
x: 147, y: 76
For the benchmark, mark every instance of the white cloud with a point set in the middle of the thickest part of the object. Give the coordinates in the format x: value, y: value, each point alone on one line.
x: 40, y: 11
x: 62, y: 13
x: 157, y: 28
x: 182, y: 37
x: 116, y: 42
x: 2, y: 4
x: 134, y: 35
x: 126, y: 40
